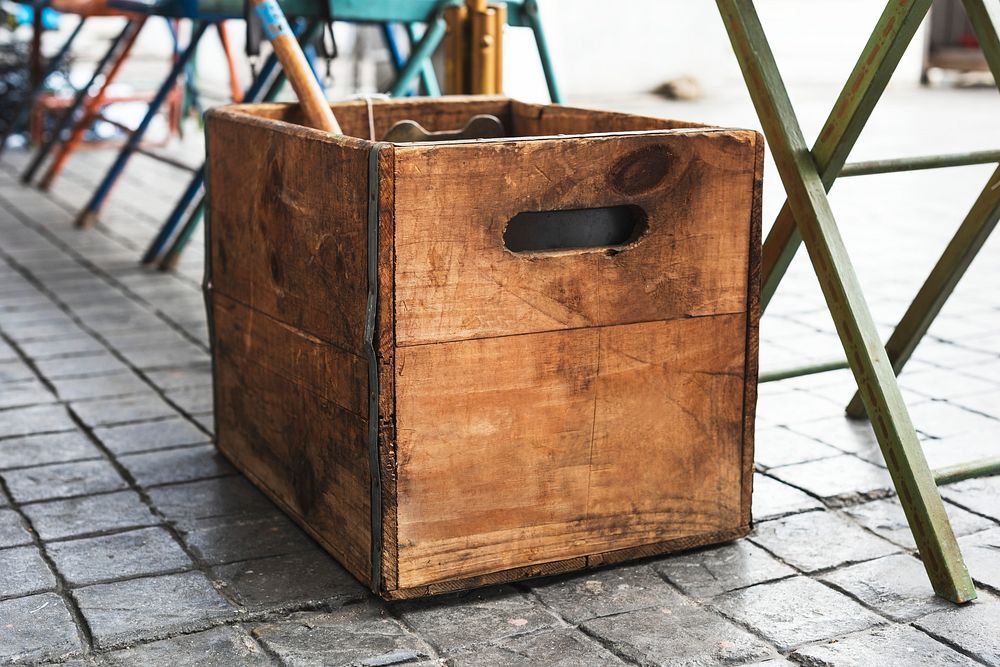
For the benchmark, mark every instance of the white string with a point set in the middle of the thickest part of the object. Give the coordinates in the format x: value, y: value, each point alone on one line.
x: 368, y: 97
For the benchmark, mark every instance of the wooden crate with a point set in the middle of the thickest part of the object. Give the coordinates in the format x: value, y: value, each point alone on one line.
x: 441, y: 412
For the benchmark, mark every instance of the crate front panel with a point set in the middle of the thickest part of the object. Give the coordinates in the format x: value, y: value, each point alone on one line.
x: 528, y: 449
x: 456, y: 280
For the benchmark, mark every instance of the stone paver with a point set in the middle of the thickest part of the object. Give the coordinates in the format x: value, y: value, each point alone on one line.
x: 35, y: 419
x: 146, y: 436
x: 218, y: 647
x: 24, y: 572
x: 895, y: 586
x: 362, y: 634
x: 556, y: 648
x: 885, y: 517
x: 177, y: 465
x: 13, y: 532
x: 713, y: 571
x: 135, y: 408
x: 62, y: 480
x: 677, y: 633
x: 224, y: 496
x: 284, y: 582
x: 795, y: 611
x: 36, y: 628
x: 971, y: 628
x: 979, y: 495
x: 819, y: 541
x: 982, y: 556
x: 772, y: 499
x: 892, y: 646
x: 604, y: 592
x: 489, y: 615
x: 42, y: 449
x: 91, y: 514
x: 841, y: 480
x: 125, y: 611
x: 227, y: 539
x: 778, y: 446
x: 129, y: 554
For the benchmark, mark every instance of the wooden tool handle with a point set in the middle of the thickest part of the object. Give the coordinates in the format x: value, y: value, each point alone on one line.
x: 293, y: 62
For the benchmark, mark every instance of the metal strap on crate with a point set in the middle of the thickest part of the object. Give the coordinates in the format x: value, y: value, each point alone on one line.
x: 807, y: 217
x: 371, y: 333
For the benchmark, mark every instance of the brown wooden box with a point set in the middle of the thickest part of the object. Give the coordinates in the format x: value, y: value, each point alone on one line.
x: 440, y: 412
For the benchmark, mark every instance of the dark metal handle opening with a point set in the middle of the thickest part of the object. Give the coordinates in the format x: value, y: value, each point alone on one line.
x: 607, y: 228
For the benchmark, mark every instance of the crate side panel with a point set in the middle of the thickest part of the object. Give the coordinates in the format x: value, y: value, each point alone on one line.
x: 456, y: 280
x: 547, y: 119
x: 285, y: 432
x: 528, y: 449
x: 289, y: 225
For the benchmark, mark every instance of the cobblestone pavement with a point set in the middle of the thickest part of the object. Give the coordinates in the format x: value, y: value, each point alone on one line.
x: 125, y: 540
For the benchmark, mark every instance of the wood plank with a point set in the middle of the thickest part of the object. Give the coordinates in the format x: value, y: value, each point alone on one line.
x: 456, y: 280
x: 607, y: 438
x: 289, y: 224
x: 307, y: 453
x: 546, y: 119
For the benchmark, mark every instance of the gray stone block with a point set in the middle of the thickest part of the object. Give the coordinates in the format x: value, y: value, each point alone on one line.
x: 135, y: 408
x: 177, y: 465
x: 777, y: 446
x: 886, y: 518
x: 229, y: 540
x: 149, y: 608
x: 35, y: 419
x: 895, y: 586
x: 35, y: 450
x: 198, y: 375
x: 224, y: 496
x: 38, y: 627
x: 475, y: 618
x: 796, y: 611
x: 819, y: 540
x: 772, y: 499
x: 89, y: 515
x: 133, y: 553
x: 982, y: 556
x: 841, y: 480
x: 81, y: 366
x: 677, y: 634
x: 713, y: 571
x: 218, y: 647
x: 24, y: 393
x: 362, y: 634
x: 63, y: 480
x: 146, y: 436
x: 555, y: 648
x: 100, y: 386
x: 604, y: 592
x: 971, y: 628
x: 979, y: 495
x: 890, y: 646
x: 13, y: 532
x: 24, y: 572
x: 287, y: 582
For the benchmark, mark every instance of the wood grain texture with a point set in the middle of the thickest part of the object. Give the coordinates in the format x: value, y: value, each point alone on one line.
x: 608, y: 437
x: 538, y: 413
x: 456, y: 280
x: 305, y: 451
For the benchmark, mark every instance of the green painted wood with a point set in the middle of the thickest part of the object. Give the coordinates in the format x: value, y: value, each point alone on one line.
x: 971, y: 470
x: 893, y: 33
x: 896, y: 165
x: 810, y: 207
x: 799, y: 371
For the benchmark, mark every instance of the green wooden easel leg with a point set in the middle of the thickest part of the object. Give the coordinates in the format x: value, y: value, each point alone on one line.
x: 968, y: 240
x: 864, y: 88
x: 815, y: 222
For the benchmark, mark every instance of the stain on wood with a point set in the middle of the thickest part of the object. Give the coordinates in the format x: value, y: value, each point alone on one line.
x: 539, y: 411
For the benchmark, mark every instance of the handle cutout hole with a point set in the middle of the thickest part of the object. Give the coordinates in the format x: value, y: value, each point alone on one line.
x: 608, y: 228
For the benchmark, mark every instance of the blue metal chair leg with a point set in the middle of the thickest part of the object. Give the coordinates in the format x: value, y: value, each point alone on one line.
x: 194, y: 187
x: 421, y: 52
x: 24, y: 110
x: 427, y: 76
x: 89, y: 215
x: 81, y: 96
x: 531, y: 9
